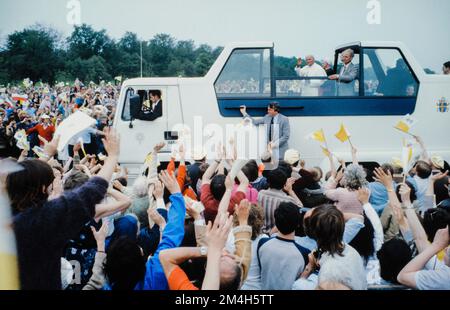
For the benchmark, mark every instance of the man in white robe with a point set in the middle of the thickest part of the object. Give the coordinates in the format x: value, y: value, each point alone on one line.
x: 310, y: 87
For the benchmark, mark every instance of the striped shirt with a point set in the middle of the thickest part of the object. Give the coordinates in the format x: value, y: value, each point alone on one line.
x: 269, y: 200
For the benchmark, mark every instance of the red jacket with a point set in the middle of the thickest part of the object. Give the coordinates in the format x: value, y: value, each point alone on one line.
x: 212, y: 205
x: 46, y: 133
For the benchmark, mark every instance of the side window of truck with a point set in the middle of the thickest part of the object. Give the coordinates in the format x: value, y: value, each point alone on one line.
x: 150, y: 110
x: 386, y: 73
x: 246, y: 74
x: 126, y: 114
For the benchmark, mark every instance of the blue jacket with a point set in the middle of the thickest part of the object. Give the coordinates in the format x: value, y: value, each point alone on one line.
x: 173, y: 235
x: 379, y: 196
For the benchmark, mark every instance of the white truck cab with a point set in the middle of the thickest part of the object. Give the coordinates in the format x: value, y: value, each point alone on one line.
x: 390, y: 84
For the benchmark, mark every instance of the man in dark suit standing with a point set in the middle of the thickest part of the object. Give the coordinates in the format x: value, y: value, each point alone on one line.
x: 155, y: 110
x: 348, y: 74
x: 278, y: 128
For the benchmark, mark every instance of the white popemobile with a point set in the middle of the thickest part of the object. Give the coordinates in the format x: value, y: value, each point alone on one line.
x: 389, y: 85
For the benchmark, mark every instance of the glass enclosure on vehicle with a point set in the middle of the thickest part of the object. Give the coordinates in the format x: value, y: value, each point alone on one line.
x: 246, y: 73
x: 386, y: 73
x: 377, y: 81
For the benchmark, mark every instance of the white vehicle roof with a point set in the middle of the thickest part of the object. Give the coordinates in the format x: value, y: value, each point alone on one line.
x: 223, y: 57
x: 417, y: 68
x: 156, y: 81
x: 374, y: 44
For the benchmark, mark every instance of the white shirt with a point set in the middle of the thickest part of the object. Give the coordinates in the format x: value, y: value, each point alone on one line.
x: 85, y: 135
x: 435, y: 276
x: 347, y: 269
x: 422, y: 187
x: 374, y: 219
x: 311, y: 87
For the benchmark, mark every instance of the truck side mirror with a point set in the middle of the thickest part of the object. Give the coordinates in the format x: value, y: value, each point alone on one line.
x: 135, y: 106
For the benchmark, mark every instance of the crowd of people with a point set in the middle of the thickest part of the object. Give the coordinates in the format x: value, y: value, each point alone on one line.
x: 215, y: 223
x: 38, y: 109
x: 242, y: 86
x: 274, y: 223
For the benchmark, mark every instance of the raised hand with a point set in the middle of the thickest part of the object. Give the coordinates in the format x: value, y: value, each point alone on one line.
x: 438, y: 176
x: 77, y: 147
x: 363, y: 195
x: 50, y: 148
x: 398, y: 213
x: 111, y: 142
x: 158, y: 147
x: 57, y: 185
x: 117, y: 185
x: 243, y: 109
x: 339, y: 175
x: 170, y: 182
x: 405, y: 192
x: 182, y: 152
x: 418, y: 139
x: 242, y: 211
x: 157, y: 218
x: 192, y: 210
x: 217, y: 233
x: 84, y: 169
x: 383, y: 177
x: 288, y: 185
x: 229, y: 183
x: 441, y: 239
x: 158, y: 191
x: 100, y: 235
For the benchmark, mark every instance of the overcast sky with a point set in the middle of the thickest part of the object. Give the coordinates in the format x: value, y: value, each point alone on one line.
x: 297, y: 27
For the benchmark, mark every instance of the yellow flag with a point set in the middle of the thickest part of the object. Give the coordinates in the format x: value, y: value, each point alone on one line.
x: 396, y: 162
x: 407, y: 152
x: 318, y: 135
x: 406, y: 123
x: 80, y: 140
x: 343, y: 134
x: 148, y: 159
x: 10, y: 274
x: 9, y: 268
x: 402, y: 127
x: 406, y: 157
x: 325, y: 151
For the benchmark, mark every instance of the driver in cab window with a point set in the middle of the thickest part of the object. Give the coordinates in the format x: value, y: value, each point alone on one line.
x: 152, y: 108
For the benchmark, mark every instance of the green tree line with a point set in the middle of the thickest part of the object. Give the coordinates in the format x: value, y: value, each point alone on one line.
x: 42, y: 54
